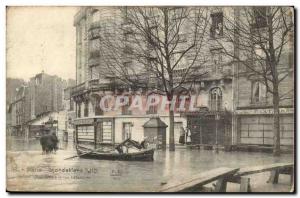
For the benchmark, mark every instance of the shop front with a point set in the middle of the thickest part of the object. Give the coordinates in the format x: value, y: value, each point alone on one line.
x: 255, y: 126
x: 209, y: 128
x: 94, y: 131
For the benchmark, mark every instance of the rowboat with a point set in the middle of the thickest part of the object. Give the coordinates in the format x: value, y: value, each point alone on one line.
x: 142, y: 155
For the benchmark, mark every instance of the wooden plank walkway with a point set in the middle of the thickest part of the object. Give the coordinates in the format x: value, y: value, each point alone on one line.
x: 275, y: 169
x: 197, y: 181
x: 263, y: 168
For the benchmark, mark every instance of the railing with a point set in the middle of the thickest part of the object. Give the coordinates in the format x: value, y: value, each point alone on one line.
x: 93, y: 83
x: 261, y: 103
x: 78, y: 89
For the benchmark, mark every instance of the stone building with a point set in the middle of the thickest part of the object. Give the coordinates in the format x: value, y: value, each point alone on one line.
x: 46, y: 94
x: 214, y: 89
x: 19, y: 111
x: 233, y: 105
x: 69, y: 108
x: 253, y: 106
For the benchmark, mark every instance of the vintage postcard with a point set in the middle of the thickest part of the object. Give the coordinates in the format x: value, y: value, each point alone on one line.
x: 150, y: 99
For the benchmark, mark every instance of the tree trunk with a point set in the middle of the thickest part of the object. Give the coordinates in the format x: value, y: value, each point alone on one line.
x: 171, y: 130
x: 276, y: 123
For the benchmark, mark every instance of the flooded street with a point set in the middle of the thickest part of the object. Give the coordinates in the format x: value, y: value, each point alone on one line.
x: 29, y: 170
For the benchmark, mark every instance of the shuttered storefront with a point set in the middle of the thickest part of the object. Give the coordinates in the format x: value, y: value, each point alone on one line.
x: 258, y: 129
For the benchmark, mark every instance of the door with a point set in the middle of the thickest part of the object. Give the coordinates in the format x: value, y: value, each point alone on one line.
x: 126, y: 133
x: 99, y: 133
x: 177, y: 131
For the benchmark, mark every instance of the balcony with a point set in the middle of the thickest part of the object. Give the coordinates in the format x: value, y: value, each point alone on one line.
x: 262, y: 102
x: 78, y: 89
x: 93, y: 83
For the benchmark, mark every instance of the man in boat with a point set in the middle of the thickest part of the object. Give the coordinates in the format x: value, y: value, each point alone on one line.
x: 128, y: 146
x: 144, y: 143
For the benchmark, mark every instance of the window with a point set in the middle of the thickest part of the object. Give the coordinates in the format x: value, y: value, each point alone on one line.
x: 107, y: 132
x: 260, y: 17
x: 85, y: 132
x: 217, y: 59
x: 95, y: 15
x: 127, y: 64
x: 79, y: 110
x: 258, y: 92
x: 216, y: 99
x: 38, y: 80
x: 125, y: 108
x: 95, y: 74
x: 71, y: 105
x: 216, y: 29
x: 98, y: 110
x: 152, y: 109
x: 259, y: 49
x: 217, y: 56
x: 183, y: 63
x: 86, y: 109
x: 94, y: 48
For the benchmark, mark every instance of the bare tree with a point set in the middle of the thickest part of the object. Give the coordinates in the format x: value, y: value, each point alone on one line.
x: 157, y: 45
x: 263, y: 39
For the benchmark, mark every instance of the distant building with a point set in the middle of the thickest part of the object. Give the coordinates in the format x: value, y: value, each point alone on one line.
x: 11, y: 85
x: 69, y: 108
x: 46, y: 94
x: 19, y: 111
x: 43, y: 95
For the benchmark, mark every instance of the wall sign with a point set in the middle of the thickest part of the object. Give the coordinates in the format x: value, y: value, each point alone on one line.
x: 84, y: 121
x: 264, y: 111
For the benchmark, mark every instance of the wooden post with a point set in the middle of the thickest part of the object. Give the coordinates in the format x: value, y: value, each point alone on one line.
x: 245, y: 184
x: 274, y: 177
x: 221, y: 185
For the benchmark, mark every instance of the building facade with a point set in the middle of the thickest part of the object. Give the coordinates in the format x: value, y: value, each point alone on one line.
x: 46, y: 94
x: 43, y: 94
x: 214, y: 89
x: 69, y: 107
x: 19, y: 111
x: 254, y: 103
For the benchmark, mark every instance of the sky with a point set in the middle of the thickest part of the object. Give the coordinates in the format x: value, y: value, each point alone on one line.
x: 40, y: 39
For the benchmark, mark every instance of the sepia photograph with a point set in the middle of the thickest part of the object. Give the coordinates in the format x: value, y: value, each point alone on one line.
x: 150, y: 99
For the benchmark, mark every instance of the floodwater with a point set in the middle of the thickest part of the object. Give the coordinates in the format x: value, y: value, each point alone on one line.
x: 29, y: 170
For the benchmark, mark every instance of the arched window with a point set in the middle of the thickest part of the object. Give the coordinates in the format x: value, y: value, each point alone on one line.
x: 97, y: 109
x: 86, y: 108
x: 216, y: 99
x: 79, y: 109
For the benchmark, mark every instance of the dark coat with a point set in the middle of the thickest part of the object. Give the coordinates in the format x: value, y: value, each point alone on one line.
x: 49, y: 143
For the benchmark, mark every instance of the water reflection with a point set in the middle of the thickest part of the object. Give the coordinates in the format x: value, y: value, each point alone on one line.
x: 108, y: 176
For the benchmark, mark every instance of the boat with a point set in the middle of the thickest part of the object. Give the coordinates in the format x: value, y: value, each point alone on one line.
x: 115, y: 154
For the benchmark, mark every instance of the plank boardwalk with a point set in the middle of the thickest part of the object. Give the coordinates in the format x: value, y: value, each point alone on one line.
x: 199, y: 180
x: 275, y: 169
x: 262, y: 168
